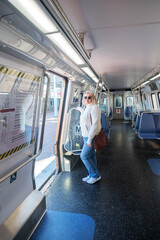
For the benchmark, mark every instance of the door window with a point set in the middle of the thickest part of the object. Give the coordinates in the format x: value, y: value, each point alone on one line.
x: 118, y: 102
x: 129, y: 101
x: 154, y: 102
x: 45, y: 163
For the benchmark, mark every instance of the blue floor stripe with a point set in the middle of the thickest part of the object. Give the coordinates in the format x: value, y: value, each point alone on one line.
x: 154, y: 164
x: 64, y: 226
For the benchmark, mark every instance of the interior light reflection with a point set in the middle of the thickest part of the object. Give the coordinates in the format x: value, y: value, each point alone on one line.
x: 67, y: 184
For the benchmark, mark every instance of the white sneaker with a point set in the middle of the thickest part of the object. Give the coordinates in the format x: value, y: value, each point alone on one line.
x: 93, y: 180
x: 85, y: 179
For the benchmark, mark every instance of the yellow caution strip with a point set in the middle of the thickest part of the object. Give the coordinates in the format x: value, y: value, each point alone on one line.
x: 2, y: 69
x: 12, y: 72
x: 16, y: 149
x: 18, y: 74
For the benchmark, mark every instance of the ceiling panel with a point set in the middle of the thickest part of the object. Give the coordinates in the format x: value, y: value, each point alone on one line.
x: 124, y: 36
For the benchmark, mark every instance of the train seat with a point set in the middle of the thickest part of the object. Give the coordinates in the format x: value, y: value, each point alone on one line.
x: 128, y: 112
x: 157, y: 123
x: 134, y: 117
x: 148, y: 126
x: 105, y: 124
x: 138, y: 117
x: 110, y: 113
x: 137, y: 123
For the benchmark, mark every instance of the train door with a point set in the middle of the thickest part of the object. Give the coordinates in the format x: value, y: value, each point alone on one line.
x: 20, y: 96
x: 118, y: 106
x: 45, y: 164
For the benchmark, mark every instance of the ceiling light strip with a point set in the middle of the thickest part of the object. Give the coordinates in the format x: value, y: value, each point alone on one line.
x: 45, y: 24
x: 90, y: 73
x: 62, y: 43
x: 34, y: 13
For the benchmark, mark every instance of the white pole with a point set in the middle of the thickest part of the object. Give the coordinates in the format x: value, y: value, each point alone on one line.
x: 55, y: 97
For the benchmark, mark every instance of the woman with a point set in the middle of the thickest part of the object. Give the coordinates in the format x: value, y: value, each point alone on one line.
x: 90, y: 122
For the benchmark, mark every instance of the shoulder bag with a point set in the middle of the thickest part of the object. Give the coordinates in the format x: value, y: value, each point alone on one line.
x: 100, y: 140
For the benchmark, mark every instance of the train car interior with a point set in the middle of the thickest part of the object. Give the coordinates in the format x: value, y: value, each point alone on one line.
x: 51, y: 53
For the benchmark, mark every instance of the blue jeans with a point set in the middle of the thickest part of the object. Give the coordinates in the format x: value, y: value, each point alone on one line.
x: 88, y: 156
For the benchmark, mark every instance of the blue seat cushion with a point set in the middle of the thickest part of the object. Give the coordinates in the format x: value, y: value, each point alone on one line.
x: 147, y: 135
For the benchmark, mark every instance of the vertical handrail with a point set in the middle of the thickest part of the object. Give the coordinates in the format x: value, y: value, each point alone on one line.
x: 45, y: 110
x: 109, y: 102
x: 96, y: 92
x: 100, y: 94
x: 140, y: 103
x: 41, y: 139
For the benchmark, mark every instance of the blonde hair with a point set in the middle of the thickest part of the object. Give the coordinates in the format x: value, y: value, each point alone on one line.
x: 94, y: 100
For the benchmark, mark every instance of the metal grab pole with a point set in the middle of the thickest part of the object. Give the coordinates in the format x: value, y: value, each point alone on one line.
x: 100, y: 94
x: 96, y: 93
x: 41, y: 139
x: 109, y: 102
x: 44, y: 112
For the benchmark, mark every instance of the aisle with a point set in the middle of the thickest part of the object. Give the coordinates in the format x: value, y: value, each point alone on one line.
x: 125, y: 203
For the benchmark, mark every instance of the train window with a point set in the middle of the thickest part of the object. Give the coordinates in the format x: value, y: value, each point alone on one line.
x: 118, y: 102
x: 154, y: 102
x: 136, y: 103
x: 76, y: 94
x: 129, y: 101
x: 145, y: 102
x: 153, y: 86
x: 46, y: 162
x: 144, y: 97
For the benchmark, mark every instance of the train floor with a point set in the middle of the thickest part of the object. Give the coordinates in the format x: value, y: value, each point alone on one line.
x: 125, y: 203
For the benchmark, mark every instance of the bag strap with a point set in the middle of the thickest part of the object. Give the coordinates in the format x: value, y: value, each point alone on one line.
x: 91, y: 118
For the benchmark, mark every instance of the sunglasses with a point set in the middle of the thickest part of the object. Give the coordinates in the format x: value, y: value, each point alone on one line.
x: 88, y: 97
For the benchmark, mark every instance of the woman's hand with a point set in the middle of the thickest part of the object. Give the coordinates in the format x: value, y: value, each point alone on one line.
x: 89, y: 145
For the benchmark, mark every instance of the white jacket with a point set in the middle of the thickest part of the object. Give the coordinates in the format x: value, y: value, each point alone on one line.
x: 90, y: 121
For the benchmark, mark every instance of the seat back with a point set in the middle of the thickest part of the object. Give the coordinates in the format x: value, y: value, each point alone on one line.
x: 137, y: 122
x: 105, y: 123
x: 128, y: 112
x: 110, y: 113
x: 147, y: 124
x: 156, y: 118
x: 134, y: 117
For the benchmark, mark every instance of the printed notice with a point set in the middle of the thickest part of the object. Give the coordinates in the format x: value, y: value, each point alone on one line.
x: 18, y: 107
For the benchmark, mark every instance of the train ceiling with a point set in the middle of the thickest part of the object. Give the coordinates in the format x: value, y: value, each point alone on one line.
x: 121, y: 35
x: 124, y: 36
x: 26, y: 32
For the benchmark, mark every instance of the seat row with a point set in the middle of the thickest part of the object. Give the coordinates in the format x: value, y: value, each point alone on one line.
x: 147, y: 125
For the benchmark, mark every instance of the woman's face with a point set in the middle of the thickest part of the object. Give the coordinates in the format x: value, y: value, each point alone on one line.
x: 87, y: 99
